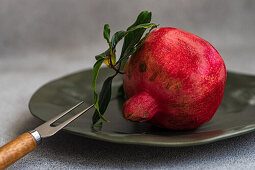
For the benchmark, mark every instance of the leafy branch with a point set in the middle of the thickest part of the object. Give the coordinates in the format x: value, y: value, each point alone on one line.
x: 133, y: 40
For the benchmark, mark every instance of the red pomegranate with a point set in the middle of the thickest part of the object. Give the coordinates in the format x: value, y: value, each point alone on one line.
x: 175, y: 80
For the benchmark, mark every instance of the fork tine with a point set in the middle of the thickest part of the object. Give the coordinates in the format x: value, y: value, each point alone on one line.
x: 63, y: 113
x: 62, y: 125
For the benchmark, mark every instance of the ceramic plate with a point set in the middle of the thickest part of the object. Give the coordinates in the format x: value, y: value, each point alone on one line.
x: 235, y: 116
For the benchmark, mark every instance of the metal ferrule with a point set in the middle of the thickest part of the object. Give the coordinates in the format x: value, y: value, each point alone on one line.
x: 36, y: 135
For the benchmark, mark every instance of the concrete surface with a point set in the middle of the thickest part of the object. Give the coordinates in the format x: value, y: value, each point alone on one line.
x: 42, y: 40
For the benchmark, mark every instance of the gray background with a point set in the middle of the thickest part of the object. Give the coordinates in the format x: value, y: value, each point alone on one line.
x: 41, y: 40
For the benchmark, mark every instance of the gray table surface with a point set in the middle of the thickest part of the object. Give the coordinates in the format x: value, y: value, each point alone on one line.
x: 43, y: 40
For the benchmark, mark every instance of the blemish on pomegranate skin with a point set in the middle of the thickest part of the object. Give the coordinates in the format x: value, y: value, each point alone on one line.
x: 154, y: 76
x: 168, y: 85
x: 143, y: 67
x: 177, y: 86
x: 145, y: 115
x: 131, y: 116
x: 174, y: 105
x: 166, y: 78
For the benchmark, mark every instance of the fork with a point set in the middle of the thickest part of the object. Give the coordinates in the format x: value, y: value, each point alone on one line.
x: 27, y: 142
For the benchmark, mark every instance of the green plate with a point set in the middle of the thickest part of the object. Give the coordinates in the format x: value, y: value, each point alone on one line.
x: 235, y: 116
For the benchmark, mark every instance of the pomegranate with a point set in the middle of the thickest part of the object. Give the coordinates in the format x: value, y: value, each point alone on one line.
x: 176, y: 80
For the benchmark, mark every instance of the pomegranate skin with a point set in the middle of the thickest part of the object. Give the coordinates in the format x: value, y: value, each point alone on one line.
x: 176, y: 80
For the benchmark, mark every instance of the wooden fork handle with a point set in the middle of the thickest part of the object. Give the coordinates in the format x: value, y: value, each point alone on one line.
x: 16, y: 149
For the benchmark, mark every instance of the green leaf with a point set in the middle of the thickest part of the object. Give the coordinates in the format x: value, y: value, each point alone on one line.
x: 141, y: 42
x: 121, y: 34
x: 117, y: 37
x: 137, y: 30
x: 96, y: 69
x: 132, y: 50
x: 106, y: 56
x: 107, y: 33
x: 133, y: 37
x: 147, y: 25
x: 104, y: 99
x: 103, y: 55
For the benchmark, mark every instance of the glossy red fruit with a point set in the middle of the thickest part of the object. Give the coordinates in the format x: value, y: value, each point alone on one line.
x: 176, y: 80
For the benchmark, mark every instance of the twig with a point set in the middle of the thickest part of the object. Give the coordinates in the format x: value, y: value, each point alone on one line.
x: 114, y: 68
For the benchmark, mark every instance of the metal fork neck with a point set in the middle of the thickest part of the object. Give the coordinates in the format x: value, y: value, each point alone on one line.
x: 36, y: 135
